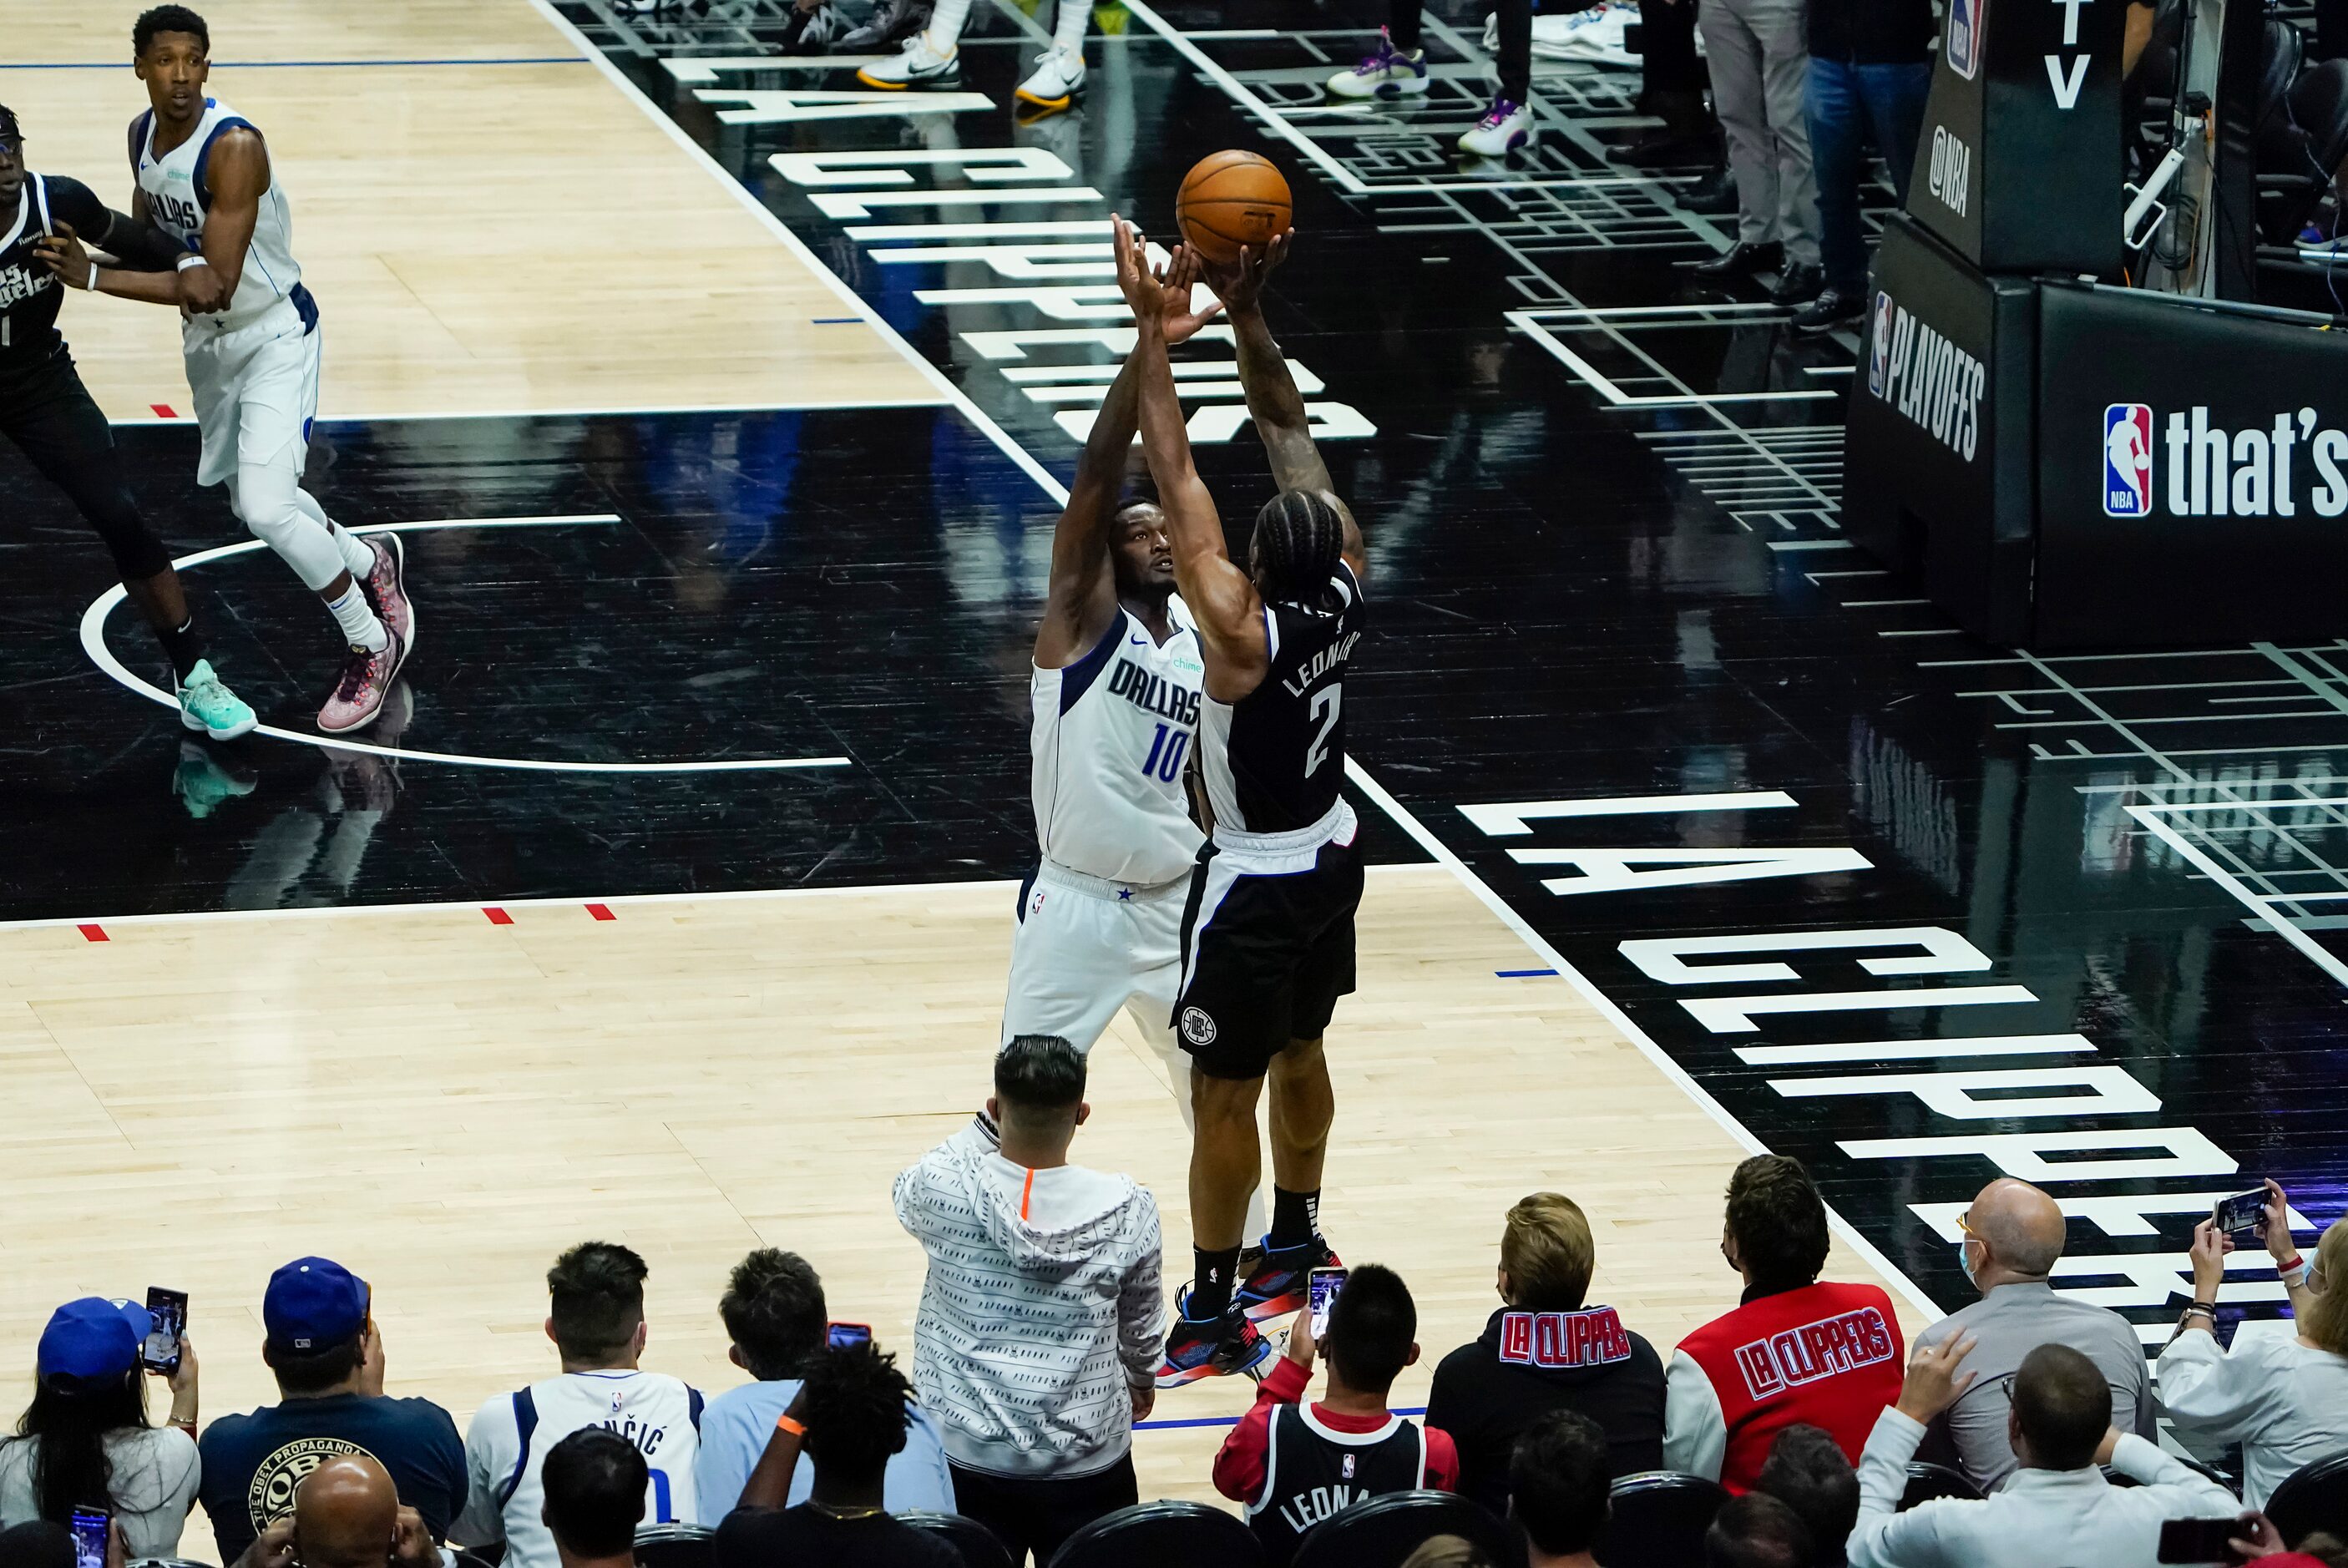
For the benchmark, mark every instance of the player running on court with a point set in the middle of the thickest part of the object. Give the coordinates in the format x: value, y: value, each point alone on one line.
x: 249, y: 336
x: 53, y: 420
x: 1268, y: 935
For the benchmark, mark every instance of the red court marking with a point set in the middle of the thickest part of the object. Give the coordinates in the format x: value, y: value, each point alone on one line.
x: 162, y: 410
x: 93, y: 932
x: 497, y: 916
x: 601, y: 912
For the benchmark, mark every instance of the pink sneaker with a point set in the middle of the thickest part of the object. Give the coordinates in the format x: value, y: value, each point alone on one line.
x: 366, y: 681
x: 386, y: 587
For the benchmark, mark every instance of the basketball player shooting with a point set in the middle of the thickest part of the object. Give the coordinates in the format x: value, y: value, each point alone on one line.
x: 249, y: 333
x: 1268, y: 933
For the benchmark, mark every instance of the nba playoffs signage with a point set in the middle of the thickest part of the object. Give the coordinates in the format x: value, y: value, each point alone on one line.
x: 1930, y: 381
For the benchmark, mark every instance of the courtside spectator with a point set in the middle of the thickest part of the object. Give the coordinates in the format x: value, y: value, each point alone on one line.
x: 37, y: 1544
x: 2009, y: 1241
x: 1560, y: 1473
x: 851, y: 1414
x: 1037, y: 1343
x: 321, y: 1342
x: 774, y: 1312
x: 1293, y: 1465
x: 83, y: 1440
x: 596, y: 1319
x: 1544, y: 1351
x: 346, y: 1514
x: 2283, y: 1396
x: 1756, y: 1530
x: 2057, y: 1508
x: 1447, y: 1551
x: 1797, y: 1349
x: 594, y: 1482
x: 1809, y: 1472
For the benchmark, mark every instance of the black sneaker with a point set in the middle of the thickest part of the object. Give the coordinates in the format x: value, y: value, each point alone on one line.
x: 1799, y: 283
x: 1210, y: 1347
x: 894, y: 21
x: 1832, y: 309
x: 812, y: 31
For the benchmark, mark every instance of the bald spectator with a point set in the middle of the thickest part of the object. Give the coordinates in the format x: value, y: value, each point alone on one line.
x: 346, y: 1514
x: 2012, y: 1236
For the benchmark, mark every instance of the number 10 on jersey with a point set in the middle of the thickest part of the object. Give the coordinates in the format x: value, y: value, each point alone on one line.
x: 1166, y: 751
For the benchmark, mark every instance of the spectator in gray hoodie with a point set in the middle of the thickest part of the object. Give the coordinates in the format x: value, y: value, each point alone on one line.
x: 1037, y: 1342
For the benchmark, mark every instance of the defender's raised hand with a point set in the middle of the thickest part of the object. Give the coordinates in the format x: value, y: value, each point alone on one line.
x: 1179, y: 277
x: 1240, y: 284
x: 1142, y: 290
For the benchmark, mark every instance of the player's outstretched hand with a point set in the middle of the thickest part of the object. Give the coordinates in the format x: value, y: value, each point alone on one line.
x: 1143, y: 292
x: 63, y: 255
x: 1240, y: 283
x: 1178, y: 277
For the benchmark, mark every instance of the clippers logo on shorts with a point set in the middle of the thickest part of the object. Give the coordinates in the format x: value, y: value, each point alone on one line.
x: 1965, y: 36
x: 1827, y: 1348
x: 271, y: 1496
x: 1879, y: 344
x: 2127, y: 461
x: 1197, y: 1028
x: 1592, y: 1337
x: 1926, y: 377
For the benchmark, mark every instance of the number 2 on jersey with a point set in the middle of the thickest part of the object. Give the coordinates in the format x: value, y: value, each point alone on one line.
x: 1165, y: 760
x: 1334, y: 699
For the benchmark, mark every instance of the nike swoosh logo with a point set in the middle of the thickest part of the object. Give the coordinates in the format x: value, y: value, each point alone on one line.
x: 1139, y: 641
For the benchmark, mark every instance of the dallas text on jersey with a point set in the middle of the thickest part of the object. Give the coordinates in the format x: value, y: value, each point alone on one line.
x: 1153, y: 694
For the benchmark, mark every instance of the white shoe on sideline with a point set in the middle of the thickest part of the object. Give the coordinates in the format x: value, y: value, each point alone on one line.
x: 921, y: 61
x: 1055, y: 81
x: 1506, y: 127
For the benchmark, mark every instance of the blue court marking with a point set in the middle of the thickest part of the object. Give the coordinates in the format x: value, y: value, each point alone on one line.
x: 1234, y: 1420
x: 287, y: 64
x: 1523, y: 974
x: 837, y: 320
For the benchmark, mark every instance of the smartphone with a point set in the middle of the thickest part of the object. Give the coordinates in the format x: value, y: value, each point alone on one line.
x: 168, y: 1308
x: 90, y: 1537
x: 2243, y: 1214
x: 2199, y: 1540
x: 1321, y: 1288
x: 842, y: 1335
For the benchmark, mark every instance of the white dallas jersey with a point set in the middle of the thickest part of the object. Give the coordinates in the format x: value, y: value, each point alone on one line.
x: 1112, y: 734
x: 177, y: 204
x: 506, y: 1447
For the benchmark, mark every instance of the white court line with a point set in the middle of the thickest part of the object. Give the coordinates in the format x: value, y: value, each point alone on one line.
x: 2258, y: 904
x: 93, y: 642
x: 797, y: 405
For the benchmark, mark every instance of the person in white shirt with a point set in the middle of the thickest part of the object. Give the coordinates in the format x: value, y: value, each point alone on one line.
x: 2283, y: 1396
x: 2057, y: 1511
x: 597, y: 1323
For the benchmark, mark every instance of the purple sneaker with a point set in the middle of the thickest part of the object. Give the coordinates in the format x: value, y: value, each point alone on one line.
x: 1386, y: 72
x: 1506, y: 126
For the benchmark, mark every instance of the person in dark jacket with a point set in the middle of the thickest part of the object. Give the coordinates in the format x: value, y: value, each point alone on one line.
x: 1870, y: 68
x: 1544, y: 1351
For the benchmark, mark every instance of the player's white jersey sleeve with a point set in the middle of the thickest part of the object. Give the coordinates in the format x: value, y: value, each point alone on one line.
x: 1112, y: 735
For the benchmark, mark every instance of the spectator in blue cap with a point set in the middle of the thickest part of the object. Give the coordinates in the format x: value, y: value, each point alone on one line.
x: 84, y: 1437
x: 322, y: 1343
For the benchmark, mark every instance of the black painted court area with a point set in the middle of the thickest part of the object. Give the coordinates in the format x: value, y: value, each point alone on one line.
x: 1607, y: 567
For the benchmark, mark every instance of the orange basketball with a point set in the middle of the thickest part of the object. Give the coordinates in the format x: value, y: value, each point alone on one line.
x: 1229, y: 200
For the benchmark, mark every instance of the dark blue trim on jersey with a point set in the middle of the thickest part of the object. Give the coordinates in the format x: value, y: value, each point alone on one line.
x: 140, y: 125
x: 525, y: 1410
x: 1077, y: 678
x: 203, y: 154
x: 1026, y: 886
x: 307, y: 307
x: 693, y: 1402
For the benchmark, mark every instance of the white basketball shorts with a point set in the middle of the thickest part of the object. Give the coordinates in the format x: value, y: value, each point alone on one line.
x: 255, y: 388
x: 1085, y: 948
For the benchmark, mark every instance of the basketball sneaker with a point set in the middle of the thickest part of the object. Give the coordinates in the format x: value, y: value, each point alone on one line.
x: 1054, y: 82
x: 1385, y: 72
x: 365, y: 680
x: 1210, y: 1347
x: 892, y: 23
x: 812, y: 31
x: 386, y: 588
x: 1506, y: 126
x: 203, y: 781
x: 206, y: 703
x: 1275, y: 1286
x: 919, y: 61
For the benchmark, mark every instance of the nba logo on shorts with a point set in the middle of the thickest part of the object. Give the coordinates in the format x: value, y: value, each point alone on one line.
x: 1879, y: 344
x: 1964, y: 37
x: 2127, y: 461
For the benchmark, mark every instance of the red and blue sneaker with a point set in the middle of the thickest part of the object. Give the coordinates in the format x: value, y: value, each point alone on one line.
x: 1272, y: 1282
x: 1212, y: 1347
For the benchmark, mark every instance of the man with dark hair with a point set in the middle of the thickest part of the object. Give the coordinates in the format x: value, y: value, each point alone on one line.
x: 774, y: 1313
x: 594, y: 1482
x: 321, y: 1342
x: 1560, y: 1476
x: 1040, y: 1313
x: 1807, y: 1472
x: 1756, y: 1530
x: 1292, y: 1465
x: 1794, y: 1349
x: 2058, y: 1508
x: 596, y: 1320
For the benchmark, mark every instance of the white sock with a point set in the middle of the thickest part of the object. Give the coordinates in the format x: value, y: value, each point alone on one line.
x: 1069, y: 34
x: 357, y: 618
x: 946, y: 24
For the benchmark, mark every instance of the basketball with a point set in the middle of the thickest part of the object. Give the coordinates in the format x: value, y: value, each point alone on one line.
x: 1229, y: 200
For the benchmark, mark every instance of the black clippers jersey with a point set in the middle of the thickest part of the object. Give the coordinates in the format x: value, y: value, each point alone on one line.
x: 1311, y: 1471
x: 29, y: 293
x: 1273, y: 760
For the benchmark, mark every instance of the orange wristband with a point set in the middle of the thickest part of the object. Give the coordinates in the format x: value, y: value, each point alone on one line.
x: 785, y: 1424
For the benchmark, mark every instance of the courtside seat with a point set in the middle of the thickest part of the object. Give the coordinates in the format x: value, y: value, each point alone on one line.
x: 2314, y: 1496
x: 674, y: 1546
x: 1383, y: 1531
x: 1927, y: 1482
x: 1658, y: 1519
x: 975, y: 1542
x: 1167, y: 1534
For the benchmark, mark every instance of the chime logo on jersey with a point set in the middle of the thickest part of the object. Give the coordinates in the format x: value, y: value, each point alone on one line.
x: 1965, y: 36
x: 1927, y: 378
x: 2127, y: 461
x: 1829, y: 1346
x: 1879, y: 344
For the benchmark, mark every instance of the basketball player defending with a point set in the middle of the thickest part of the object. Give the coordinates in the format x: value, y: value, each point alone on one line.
x: 51, y: 417
x: 249, y: 337
x: 1268, y: 935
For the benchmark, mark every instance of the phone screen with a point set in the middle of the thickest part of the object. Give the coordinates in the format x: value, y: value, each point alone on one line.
x: 2244, y: 1212
x: 1321, y: 1288
x: 90, y: 1538
x: 2198, y: 1540
x: 841, y: 1336
x: 168, y: 1308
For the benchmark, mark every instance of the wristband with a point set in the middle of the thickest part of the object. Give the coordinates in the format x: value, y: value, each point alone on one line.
x: 2207, y: 1309
x: 785, y: 1424
x: 2298, y: 1265
x: 193, y: 259
x: 93, y: 274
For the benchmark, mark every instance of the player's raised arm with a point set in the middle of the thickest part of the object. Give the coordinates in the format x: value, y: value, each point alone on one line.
x: 1222, y: 597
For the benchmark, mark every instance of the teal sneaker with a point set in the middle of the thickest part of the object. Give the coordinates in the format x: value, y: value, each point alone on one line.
x: 204, y: 782
x: 207, y: 705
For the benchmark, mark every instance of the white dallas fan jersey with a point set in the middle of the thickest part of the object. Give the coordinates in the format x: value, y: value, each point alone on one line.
x: 505, y: 1449
x: 178, y: 202
x: 1112, y: 734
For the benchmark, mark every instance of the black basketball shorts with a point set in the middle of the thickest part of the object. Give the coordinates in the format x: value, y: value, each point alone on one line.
x: 1264, y: 958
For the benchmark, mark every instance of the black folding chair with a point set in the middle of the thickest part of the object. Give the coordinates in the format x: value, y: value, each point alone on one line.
x: 1927, y: 1482
x: 1383, y: 1531
x: 976, y: 1544
x: 674, y: 1546
x: 1657, y: 1520
x: 2312, y: 1498
x: 1162, y: 1535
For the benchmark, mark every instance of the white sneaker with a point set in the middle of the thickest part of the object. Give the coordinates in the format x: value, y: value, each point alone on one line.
x: 1506, y: 126
x: 921, y: 62
x: 1057, y: 80
x: 1385, y: 72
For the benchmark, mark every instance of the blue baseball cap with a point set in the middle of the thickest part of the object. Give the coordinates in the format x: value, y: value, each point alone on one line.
x: 93, y: 1338
x: 313, y: 1303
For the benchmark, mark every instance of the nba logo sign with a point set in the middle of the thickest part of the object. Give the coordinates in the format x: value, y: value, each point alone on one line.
x: 2127, y: 461
x: 1879, y: 344
x: 1964, y: 37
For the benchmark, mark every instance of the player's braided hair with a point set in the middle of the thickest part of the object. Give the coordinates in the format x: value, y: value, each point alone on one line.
x: 1298, y: 539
